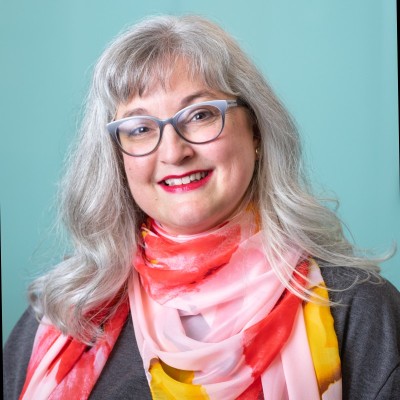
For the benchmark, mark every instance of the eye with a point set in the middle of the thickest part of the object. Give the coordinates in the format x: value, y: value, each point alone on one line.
x: 133, y: 132
x: 140, y: 130
x: 137, y: 128
x: 200, y: 115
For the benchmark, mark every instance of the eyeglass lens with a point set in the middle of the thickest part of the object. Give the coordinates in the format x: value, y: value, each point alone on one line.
x: 197, y: 124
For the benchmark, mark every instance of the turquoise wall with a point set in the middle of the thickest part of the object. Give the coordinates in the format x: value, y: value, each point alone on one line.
x: 333, y: 62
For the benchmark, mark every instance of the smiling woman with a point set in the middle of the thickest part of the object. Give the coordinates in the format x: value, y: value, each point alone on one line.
x: 204, y: 268
x: 220, y: 155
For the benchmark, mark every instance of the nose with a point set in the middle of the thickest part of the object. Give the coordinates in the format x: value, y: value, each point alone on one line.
x: 173, y: 149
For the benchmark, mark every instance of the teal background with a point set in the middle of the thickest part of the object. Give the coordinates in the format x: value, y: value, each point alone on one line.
x: 333, y: 63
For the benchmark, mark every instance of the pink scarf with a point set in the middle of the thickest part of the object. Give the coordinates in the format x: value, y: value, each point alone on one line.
x: 212, y: 320
x: 62, y: 367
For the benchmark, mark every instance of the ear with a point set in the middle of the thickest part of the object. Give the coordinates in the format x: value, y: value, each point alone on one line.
x: 256, y: 136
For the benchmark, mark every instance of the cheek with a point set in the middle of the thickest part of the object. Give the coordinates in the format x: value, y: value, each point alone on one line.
x: 245, y: 162
x: 137, y: 174
x: 241, y: 152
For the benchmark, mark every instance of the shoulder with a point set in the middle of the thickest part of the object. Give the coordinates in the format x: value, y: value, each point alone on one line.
x: 16, y: 354
x: 354, y: 287
x: 362, y: 297
x: 367, y: 323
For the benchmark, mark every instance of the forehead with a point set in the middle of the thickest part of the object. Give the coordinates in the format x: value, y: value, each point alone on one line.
x: 180, y: 87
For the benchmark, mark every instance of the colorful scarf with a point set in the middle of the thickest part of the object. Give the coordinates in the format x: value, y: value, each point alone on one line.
x: 213, y: 321
x: 63, y: 368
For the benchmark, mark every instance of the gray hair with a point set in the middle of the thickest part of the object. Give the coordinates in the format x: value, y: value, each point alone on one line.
x: 96, y: 204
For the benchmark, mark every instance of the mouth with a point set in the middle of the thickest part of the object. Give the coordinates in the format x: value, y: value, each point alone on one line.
x: 185, y: 180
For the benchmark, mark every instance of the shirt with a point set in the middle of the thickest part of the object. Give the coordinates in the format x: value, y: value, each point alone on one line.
x: 367, y: 324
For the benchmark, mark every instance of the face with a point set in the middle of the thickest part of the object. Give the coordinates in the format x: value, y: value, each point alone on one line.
x: 224, y: 166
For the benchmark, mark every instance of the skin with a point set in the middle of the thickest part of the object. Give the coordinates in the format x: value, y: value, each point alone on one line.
x: 229, y: 160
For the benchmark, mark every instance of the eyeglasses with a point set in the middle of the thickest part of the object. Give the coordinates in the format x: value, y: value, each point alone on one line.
x: 197, y: 124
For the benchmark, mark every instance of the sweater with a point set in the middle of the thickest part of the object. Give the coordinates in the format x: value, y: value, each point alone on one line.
x: 367, y: 324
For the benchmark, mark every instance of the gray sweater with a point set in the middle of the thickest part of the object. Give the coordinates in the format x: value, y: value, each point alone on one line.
x: 367, y: 326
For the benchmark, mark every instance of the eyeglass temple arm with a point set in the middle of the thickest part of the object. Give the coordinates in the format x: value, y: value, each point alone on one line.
x: 237, y: 102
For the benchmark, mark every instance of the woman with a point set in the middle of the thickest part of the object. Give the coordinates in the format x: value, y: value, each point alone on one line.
x: 202, y: 267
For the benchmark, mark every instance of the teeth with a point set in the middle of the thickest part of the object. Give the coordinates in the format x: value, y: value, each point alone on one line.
x: 186, y: 179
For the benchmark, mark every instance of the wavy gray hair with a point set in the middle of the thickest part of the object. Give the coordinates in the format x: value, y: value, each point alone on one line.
x: 96, y: 204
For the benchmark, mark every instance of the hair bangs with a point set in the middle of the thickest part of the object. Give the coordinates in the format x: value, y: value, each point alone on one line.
x: 136, y: 70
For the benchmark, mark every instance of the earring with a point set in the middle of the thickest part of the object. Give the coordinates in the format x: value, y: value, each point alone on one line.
x: 257, y: 153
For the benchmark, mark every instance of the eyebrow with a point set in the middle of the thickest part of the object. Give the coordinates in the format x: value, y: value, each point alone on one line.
x: 206, y: 94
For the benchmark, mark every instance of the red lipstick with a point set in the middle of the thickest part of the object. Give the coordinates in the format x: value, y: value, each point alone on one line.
x: 184, y: 183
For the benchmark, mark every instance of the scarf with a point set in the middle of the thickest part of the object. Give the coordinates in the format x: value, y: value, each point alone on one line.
x: 62, y: 367
x: 212, y: 320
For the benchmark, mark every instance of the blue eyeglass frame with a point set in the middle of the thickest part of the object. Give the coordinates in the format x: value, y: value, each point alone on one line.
x: 222, y: 105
